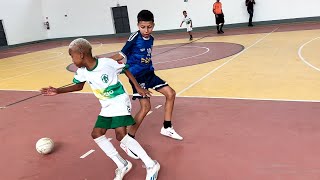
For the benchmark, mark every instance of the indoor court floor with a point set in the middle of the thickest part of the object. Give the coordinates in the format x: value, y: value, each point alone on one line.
x: 247, y: 106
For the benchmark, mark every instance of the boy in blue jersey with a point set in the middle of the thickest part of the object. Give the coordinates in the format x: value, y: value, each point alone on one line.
x: 137, y: 51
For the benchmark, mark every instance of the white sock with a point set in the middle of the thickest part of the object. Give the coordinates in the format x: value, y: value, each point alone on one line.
x: 136, y: 148
x: 110, y: 151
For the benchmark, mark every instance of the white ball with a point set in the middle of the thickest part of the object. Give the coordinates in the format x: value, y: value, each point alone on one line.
x: 44, y: 145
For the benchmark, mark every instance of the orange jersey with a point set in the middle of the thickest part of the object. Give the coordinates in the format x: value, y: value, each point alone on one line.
x: 217, y: 8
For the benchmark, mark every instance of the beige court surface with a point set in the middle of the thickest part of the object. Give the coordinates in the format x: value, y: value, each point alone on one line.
x: 275, y: 64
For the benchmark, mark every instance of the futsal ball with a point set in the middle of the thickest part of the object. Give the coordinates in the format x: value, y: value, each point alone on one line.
x: 44, y: 145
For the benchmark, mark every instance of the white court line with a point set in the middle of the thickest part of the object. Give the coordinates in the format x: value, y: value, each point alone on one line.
x: 207, y: 50
x: 86, y: 154
x: 90, y: 152
x: 207, y: 97
x: 157, y: 107
x: 149, y: 113
x: 100, y: 45
x: 26, y: 60
x: 302, y: 58
x: 18, y: 90
x: 12, y: 77
x: 42, y: 61
x: 215, y: 69
x: 17, y: 52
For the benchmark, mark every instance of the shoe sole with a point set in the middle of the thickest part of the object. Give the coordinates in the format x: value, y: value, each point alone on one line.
x: 170, y: 136
x: 130, y: 167
x: 155, y: 176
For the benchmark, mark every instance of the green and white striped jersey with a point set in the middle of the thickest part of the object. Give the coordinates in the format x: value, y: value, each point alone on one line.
x: 104, y: 82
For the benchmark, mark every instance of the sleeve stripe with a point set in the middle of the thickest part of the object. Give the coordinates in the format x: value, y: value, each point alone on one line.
x: 123, y: 55
x: 132, y: 36
x: 76, y: 81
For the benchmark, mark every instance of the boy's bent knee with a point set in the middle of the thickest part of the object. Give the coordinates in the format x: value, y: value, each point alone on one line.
x: 120, y: 136
x: 97, y: 132
x: 95, y: 135
x: 171, y: 94
x: 146, y: 107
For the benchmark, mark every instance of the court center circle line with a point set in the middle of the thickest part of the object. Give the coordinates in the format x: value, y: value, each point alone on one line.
x: 40, y: 62
x: 302, y: 58
x: 207, y: 50
x: 217, y: 68
x: 19, y: 75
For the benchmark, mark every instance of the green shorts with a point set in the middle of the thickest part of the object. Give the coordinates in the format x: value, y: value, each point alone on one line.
x: 114, y: 122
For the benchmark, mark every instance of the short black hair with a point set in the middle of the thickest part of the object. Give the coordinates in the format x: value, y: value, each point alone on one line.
x: 184, y: 11
x: 145, y: 15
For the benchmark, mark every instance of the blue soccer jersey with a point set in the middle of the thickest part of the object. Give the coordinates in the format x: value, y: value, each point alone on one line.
x: 137, y: 51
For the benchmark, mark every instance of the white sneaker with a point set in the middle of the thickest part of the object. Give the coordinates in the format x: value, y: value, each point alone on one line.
x: 120, y: 173
x: 152, y: 172
x: 170, y: 132
x: 128, y: 151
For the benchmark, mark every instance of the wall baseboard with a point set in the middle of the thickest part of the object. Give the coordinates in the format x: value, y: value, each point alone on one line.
x: 236, y: 25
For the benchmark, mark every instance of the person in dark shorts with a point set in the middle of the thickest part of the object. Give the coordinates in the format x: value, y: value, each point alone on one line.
x: 250, y: 4
x: 217, y: 10
x: 138, y: 52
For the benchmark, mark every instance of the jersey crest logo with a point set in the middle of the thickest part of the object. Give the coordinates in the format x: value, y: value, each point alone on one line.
x: 104, y: 78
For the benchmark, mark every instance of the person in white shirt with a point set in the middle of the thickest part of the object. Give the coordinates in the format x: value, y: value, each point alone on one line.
x: 188, y: 22
x: 102, y: 76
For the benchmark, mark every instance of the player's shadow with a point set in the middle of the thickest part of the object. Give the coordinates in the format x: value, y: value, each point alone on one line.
x: 57, y: 147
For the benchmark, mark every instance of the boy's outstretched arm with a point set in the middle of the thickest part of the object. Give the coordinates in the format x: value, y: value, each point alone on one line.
x: 141, y: 91
x: 117, y: 57
x: 51, y: 91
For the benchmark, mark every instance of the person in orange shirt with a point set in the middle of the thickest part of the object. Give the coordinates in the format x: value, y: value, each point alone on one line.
x: 217, y: 10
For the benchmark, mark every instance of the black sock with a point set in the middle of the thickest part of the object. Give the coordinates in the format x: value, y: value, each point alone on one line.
x: 131, y: 135
x: 167, y: 124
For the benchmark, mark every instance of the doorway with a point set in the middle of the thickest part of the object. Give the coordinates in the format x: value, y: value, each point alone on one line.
x: 121, y: 19
x: 3, y: 39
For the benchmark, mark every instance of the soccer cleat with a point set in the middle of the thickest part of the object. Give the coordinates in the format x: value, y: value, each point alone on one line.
x: 120, y: 173
x: 170, y: 132
x: 128, y: 151
x: 152, y: 172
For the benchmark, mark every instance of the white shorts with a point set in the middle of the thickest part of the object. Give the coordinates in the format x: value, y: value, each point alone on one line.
x: 189, y: 28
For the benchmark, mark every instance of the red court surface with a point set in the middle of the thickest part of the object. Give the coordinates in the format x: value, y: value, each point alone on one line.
x: 224, y: 139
